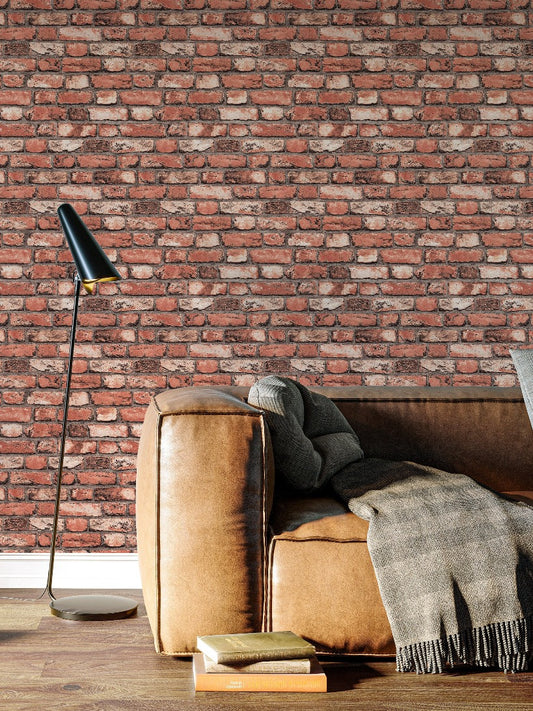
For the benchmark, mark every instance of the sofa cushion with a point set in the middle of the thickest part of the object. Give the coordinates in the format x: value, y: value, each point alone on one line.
x: 455, y: 429
x: 321, y: 580
x: 316, y: 518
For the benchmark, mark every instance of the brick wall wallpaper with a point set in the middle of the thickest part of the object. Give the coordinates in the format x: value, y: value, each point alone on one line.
x: 335, y: 190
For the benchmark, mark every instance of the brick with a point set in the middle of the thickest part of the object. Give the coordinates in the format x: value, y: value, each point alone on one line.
x: 338, y: 194
x: 402, y: 97
x: 271, y: 97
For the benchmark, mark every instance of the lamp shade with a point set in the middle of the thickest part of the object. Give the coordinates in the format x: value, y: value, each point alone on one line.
x: 91, y: 261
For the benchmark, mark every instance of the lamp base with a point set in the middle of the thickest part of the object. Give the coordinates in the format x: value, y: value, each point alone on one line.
x: 93, y: 607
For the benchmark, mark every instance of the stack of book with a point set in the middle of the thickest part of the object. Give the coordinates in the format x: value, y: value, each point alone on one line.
x: 257, y: 661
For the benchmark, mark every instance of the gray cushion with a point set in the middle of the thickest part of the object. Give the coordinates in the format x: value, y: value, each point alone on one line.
x: 311, y: 438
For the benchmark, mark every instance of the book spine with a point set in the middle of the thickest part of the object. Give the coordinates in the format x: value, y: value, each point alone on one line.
x: 282, y: 666
x: 261, y: 682
x: 249, y: 657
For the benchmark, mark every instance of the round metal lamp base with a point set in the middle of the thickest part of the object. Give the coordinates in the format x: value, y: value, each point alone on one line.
x: 93, y: 607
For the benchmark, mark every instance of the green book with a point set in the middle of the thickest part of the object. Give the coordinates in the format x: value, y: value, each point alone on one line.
x: 250, y: 647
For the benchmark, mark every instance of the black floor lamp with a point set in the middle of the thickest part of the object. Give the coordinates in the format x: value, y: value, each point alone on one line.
x: 92, y: 266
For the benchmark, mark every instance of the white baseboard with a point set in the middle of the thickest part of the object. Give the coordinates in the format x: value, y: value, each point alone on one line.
x: 87, y: 571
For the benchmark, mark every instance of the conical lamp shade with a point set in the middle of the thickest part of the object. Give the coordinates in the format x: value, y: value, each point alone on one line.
x: 90, y: 259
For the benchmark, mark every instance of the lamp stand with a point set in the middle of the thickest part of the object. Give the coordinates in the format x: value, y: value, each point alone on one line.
x: 79, y: 607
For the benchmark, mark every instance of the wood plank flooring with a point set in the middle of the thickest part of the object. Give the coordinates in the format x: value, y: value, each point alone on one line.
x: 49, y: 664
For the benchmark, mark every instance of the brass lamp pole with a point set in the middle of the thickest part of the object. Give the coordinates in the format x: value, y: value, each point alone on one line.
x: 92, y: 266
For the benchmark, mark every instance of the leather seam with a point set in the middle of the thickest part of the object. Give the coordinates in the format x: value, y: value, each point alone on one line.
x: 326, y: 539
x: 264, y: 522
x: 171, y: 413
x: 271, y: 547
x: 437, y: 399
x: 157, y: 504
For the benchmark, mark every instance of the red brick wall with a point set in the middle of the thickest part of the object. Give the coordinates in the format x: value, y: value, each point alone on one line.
x: 334, y: 190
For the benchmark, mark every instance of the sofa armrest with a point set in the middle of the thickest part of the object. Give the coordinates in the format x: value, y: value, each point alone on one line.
x: 204, y: 487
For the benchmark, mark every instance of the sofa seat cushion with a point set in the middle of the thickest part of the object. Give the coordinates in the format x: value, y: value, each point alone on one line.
x: 316, y: 517
x: 321, y: 581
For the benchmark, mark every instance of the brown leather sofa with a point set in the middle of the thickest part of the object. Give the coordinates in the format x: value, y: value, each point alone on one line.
x: 221, y: 550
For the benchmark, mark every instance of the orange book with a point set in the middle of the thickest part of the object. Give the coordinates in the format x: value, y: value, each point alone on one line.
x: 238, y: 681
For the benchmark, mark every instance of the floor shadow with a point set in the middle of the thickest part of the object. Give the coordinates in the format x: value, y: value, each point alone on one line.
x: 346, y: 675
x: 524, y: 582
x: 10, y: 635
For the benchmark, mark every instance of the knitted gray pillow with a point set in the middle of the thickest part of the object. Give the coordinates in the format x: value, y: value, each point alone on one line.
x: 311, y: 438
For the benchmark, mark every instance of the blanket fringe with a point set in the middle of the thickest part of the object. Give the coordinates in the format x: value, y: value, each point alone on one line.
x: 505, y: 645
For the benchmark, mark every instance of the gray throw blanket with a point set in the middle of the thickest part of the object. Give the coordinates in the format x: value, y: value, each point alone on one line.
x: 453, y: 560
x: 454, y: 564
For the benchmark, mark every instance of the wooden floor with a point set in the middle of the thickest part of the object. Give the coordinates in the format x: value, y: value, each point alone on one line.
x: 49, y: 664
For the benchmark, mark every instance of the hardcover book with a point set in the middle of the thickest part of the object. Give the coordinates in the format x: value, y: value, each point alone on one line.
x: 273, y: 666
x: 314, y: 681
x: 254, y: 647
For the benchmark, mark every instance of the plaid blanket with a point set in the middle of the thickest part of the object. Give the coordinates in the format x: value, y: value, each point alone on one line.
x: 454, y: 564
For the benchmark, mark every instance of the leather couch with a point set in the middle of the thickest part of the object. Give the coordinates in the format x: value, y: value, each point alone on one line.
x: 222, y: 549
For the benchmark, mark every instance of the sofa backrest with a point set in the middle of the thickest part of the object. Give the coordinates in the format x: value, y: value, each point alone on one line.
x: 482, y: 432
